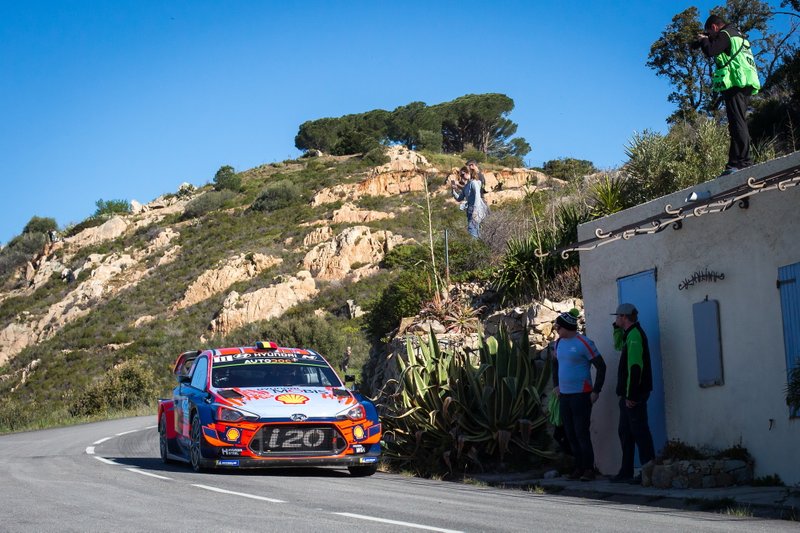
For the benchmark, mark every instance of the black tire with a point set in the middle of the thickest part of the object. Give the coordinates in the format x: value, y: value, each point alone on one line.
x: 195, y: 452
x: 163, y: 442
x: 362, y: 471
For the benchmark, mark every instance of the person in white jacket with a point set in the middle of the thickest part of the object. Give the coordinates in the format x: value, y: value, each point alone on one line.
x: 475, y: 207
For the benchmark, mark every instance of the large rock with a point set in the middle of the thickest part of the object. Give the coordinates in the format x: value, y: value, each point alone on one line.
x: 350, y: 214
x: 235, y: 269
x: 352, y: 249
x: 111, y: 229
x: 263, y: 304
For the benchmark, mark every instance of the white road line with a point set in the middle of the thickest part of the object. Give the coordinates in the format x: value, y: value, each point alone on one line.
x: 142, y: 472
x: 90, y: 450
x: 126, y: 432
x: 151, y: 427
x: 397, y: 522
x: 104, y: 460
x: 102, y: 440
x: 242, y: 494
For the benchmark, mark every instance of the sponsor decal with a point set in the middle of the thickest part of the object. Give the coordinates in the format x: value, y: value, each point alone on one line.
x: 233, y: 435
x: 358, y: 433
x: 291, y: 399
x: 227, y: 462
x: 298, y: 417
x: 368, y: 460
x: 231, y: 451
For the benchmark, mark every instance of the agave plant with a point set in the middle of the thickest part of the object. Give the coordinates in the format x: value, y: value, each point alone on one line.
x: 418, y: 421
x: 499, y: 405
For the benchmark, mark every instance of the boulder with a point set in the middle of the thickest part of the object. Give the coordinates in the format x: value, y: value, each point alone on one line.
x: 352, y: 249
x: 263, y: 304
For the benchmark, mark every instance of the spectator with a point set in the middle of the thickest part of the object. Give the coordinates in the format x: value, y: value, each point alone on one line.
x: 475, y: 207
x: 634, y: 384
x: 736, y: 78
x: 572, y: 381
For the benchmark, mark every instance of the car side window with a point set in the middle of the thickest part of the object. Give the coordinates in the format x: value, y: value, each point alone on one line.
x: 200, y: 374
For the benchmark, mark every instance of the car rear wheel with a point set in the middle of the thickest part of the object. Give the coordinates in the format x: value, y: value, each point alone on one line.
x: 163, y: 442
x: 195, y: 454
x: 362, y: 471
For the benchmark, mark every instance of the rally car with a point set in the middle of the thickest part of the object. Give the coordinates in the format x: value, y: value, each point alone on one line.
x: 265, y: 406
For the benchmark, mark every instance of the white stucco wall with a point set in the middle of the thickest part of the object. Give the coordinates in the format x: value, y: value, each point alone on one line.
x: 748, y: 246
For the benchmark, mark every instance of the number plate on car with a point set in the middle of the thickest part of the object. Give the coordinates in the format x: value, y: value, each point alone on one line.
x: 294, y: 439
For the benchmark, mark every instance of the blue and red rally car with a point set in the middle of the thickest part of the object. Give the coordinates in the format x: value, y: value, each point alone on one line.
x: 262, y: 406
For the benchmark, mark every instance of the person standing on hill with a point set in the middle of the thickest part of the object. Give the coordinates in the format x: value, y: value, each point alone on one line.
x: 572, y: 382
x: 736, y: 78
x: 475, y: 207
x: 634, y: 384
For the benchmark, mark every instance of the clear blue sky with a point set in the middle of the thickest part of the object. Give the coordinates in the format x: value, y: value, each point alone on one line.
x: 126, y: 99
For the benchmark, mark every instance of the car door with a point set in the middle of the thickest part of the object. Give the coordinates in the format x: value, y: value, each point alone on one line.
x: 193, y: 392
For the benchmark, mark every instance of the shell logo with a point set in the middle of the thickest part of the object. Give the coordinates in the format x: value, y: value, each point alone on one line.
x: 232, y: 435
x: 291, y: 399
x: 358, y: 432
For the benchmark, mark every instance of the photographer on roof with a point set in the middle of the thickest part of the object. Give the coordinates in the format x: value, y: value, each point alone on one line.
x: 736, y: 78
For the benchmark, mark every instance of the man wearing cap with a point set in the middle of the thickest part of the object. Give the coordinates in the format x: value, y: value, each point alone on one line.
x: 572, y: 382
x: 634, y: 384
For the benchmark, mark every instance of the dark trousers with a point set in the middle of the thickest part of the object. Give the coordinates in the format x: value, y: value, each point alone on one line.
x: 576, y: 415
x: 737, y: 99
x: 634, y: 431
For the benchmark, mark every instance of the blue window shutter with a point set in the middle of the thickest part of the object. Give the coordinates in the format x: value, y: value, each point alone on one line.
x: 789, y: 285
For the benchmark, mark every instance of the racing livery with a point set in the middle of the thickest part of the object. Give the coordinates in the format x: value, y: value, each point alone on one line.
x: 262, y: 406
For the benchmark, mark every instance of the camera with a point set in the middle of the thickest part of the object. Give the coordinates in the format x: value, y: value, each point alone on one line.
x: 698, y: 42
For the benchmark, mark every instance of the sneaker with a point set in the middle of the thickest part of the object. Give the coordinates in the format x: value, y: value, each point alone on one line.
x: 588, y: 475
x: 619, y: 478
x: 576, y: 474
x: 729, y: 170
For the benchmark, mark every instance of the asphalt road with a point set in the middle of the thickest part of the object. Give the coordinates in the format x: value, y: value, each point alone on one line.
x: 107, y: 476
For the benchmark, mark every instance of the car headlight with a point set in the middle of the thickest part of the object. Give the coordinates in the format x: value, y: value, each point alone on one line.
x: 356, y: 412
x: 226, y: 414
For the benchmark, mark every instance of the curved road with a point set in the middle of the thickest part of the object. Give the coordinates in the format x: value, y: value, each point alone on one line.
x: 107, y: 476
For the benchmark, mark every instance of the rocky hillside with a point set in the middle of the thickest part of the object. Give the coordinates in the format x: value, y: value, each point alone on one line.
x: 200, y: 269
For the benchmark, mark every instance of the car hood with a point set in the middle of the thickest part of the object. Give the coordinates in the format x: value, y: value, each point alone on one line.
x: 284, y: 402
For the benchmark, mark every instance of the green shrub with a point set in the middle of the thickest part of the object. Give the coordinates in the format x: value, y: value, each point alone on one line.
x: 128, y: 385
x: 19, y: 251
x: 40, y: 225
x: 690, y: 153
x: 568, y: 168
x: 208, y: 202
x: 278, y: 195
x: 106, y: 208
x: 403, y: 298
x: 430, y: 140
x: 227, y: 179
x: 376, y: 157
x: 90, y: 222
x: 477, y: 155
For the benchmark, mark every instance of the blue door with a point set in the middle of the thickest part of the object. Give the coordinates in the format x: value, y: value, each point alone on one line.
x: 640, y: 290
x: 789, y: 284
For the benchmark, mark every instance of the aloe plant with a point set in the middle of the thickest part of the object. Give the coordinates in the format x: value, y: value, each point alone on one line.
x: 448, y: 413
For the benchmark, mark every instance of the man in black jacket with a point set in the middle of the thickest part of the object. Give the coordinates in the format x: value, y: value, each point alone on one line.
x: 736, y: 79
x: 634, y: 384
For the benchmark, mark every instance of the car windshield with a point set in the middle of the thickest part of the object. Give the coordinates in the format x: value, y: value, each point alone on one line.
x: 273, y: 375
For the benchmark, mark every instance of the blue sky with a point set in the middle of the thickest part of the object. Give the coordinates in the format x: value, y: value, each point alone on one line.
x: 128, y: 99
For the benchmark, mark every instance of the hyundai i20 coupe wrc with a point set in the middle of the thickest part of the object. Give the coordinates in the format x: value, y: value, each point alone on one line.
x: 266, y: 406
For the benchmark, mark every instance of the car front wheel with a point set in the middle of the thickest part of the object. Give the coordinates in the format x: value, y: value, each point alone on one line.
x: 195, y: 453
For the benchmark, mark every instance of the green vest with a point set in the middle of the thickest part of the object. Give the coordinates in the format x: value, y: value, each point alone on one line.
x: 737, y: 69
